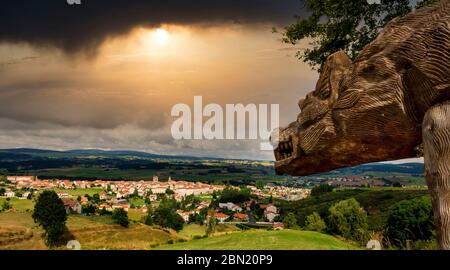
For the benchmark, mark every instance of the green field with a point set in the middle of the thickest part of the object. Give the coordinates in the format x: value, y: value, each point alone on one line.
x: 19, y: 204
x: 265, y: 240
x: 80, y: 191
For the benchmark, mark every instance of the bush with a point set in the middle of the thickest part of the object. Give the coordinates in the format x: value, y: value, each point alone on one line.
x: 290, y: 221
x: 410, y: 220
x: 167, y: 217
x: 315, y: 223
x: 120, y: 216
x: 6, y: 206
x: 88, y: 209
x: 50, y: 213
x: 349, y: 220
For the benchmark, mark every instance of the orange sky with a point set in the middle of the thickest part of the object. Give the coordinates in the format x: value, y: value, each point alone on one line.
x: 120, y: 98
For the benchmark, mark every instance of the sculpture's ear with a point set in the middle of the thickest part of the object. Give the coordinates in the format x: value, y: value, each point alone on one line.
x: 337, y: 64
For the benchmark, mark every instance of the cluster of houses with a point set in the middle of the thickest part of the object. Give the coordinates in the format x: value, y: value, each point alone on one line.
x: 281, y: 192
x: 115, y: 194
x: 355, y: 181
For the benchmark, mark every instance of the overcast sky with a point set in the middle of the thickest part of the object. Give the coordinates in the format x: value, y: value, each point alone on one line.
x: 105, y: 74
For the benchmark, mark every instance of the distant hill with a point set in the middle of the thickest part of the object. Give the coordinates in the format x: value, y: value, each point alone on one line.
x: 92, y: 164
x: 410, y: 168
x: 89, y: 152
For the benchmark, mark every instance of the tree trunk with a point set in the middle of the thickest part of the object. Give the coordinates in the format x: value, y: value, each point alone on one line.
x: 436, y: 146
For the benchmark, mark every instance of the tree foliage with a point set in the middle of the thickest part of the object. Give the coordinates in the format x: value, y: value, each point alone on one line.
x: 349, y: 220
x: 50, y: 213
x: 235, y: 195
x: 120, y: 216
x: 166, y: 216
x: 290, y: 221
x: 410, y: 220
x: 320, y: 189
x: 315, y: 223
x: 348, y: 25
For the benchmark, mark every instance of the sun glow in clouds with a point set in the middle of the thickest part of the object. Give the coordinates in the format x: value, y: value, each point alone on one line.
x: 161, y: 36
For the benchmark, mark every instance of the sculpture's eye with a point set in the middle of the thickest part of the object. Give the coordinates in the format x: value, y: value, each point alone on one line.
x: 323, y: 92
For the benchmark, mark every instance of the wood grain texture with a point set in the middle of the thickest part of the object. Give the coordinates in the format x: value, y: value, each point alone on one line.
x: 436, y: 146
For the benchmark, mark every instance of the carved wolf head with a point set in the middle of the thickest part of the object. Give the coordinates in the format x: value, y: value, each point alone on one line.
x: 355, y: 115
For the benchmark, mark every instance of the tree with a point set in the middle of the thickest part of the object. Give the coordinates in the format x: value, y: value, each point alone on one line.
x: 235, y: 195
x: 50, y: 213
x: 397, y: 184
x: 260, y: 184
x: 410, y: 220
x: 334, y: 25
x: 349, y: 220
x: 211, y: 225
x: 290, y: 221
x: 321, y: 189
x: 166, y: 216
x: 88, y: 209
x: 315, y: 223
x: 2, y: 191
x: 96, y: 198
x: 6, y: 205
x: 120, y: 216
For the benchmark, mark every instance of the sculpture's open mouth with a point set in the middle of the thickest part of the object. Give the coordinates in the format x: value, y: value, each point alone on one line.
x: 285, y: 150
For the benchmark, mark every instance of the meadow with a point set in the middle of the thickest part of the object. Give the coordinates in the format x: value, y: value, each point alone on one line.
x: 265, y: 240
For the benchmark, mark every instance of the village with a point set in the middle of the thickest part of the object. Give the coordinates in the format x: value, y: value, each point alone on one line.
x: 140, y: 195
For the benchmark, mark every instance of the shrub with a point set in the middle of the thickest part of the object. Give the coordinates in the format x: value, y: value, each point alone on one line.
x: 410, y: 220
x: 349, y: 220
x: 290, y: 221
x: 314, y: 222
x: 167, y: 217
x: 120, y: 216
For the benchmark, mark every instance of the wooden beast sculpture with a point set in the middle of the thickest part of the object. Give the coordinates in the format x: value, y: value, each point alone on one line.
x: 385, y: 105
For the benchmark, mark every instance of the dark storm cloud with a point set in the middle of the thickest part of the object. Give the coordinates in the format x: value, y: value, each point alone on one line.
x: 75, y: 28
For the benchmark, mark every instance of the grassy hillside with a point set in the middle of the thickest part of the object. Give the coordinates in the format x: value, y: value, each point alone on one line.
x: 18, y: 231
x: 265, y: 240
x: 376, y: 201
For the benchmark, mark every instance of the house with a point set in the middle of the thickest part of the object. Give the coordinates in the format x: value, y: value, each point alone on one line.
x: 105, y: 206
x: 103, y: 196
x: 152, y: 197
x: 15, y: 179
x: 240, y: 216
x: 230, y: 206
x: 25, y: 195
x: 84, y: 200
x: 125, y: 207
x: 278, y: 226
x: 72, y: 206
x: 184, y: 215
x: 63, y: 195
x: 270, y: 212
x: 144, y: 209
x: 10, y: 194
x: 221, y: 217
